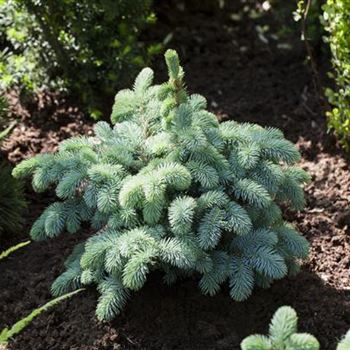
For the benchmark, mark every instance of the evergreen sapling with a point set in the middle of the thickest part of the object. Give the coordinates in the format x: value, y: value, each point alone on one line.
x: 169, y: 188
x: 282, y: 334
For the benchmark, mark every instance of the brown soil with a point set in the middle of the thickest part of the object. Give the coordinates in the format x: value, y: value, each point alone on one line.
x: 42, y: 121
x: 248, y: 80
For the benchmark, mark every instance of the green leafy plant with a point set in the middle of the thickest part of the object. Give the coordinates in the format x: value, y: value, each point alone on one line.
x: 89, y: 47
x: 169, y: 188
x: 283, y: 335
x: 7, y: 333
x: 12, y: 249
x: 336, y: 22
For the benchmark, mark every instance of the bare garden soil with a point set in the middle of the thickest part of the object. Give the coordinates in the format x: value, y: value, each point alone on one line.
x: 244, y: 78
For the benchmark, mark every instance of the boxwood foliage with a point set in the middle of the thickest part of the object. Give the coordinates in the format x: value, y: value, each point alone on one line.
x: 337, y: 24
x: 90, y: 47
x: 169, y: 188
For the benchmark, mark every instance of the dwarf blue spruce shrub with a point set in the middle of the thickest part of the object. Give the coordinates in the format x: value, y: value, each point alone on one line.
x: 169, y: 188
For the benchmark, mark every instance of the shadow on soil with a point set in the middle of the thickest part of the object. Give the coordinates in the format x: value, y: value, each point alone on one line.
x: 158, y: 317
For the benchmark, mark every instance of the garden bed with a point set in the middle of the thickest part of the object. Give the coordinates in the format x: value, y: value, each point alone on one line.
x: 248, y: 80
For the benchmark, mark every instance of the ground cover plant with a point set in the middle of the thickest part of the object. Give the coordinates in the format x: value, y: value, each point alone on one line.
x: 283, y: 335
x: 87, y: 47
x: 337, y: 24
x: 169, y: 188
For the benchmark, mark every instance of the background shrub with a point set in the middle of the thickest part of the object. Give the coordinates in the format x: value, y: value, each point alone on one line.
x: 337, y: 24
x: 169, y: 188
x: 90, y: 47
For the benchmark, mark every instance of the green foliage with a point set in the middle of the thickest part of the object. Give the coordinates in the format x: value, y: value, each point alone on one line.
x: 169, y: 188
x: 337, y: 24
x: 12, y: 201
x: 12, y: 249
x: 90, y: 47
x: 282, y: 334
x: 6, y: 334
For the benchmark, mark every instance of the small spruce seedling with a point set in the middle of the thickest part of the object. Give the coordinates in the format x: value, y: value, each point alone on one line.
x: 169, y: 188
x: 282, y: 334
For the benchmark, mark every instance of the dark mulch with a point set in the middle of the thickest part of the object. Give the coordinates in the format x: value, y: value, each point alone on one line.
x: 42, y: 121
x: 247, y: 80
